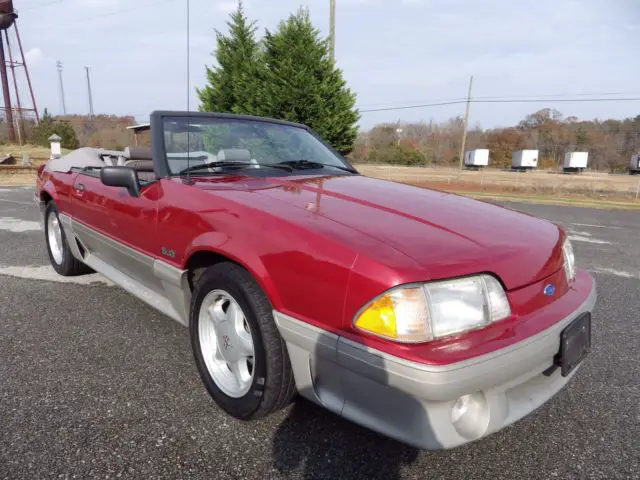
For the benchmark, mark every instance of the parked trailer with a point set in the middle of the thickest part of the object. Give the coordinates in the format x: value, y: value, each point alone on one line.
x: 524, y: 160
x: 634, y: 165
x: 476, y: 159
x: 575, y: 161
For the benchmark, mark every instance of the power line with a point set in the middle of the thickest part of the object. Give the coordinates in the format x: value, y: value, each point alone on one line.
x: 537, y: 100
x: 492, y: 97
x: 42, y: 5
x: 123, y: 10
x: 559, y: 95
x: 503, y: 100
x: 102, y: 15
x: 438, y: 104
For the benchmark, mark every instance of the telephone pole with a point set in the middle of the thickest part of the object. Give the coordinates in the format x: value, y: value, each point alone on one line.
x: 8, y: 113
x: 332, y: 28
x: 466, y: 124
x: 63, y: 104
x: 89, y: 92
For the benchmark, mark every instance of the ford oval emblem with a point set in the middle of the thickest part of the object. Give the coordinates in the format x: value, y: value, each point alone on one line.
x: 549, y: 290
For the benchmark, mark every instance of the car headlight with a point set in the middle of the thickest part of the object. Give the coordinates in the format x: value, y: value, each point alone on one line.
x: 569, y: 260
x: 424, y: 312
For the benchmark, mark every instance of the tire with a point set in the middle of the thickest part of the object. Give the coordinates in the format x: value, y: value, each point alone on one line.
x: 271, y: 386
x: 60, y: 256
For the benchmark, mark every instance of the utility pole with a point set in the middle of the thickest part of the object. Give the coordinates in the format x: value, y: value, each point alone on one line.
x: 12, y: 65
x: 90, y: 95
x: 8, y: 112
x: 466, y: 124
x: 62, y: 101
x: 332, y: 28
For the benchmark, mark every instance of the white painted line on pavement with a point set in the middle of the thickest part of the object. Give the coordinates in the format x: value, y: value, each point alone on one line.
x: 579, y: 238
x: 617, y: 273
x: 581, y: 234
x: 48, y: 274
x: 16, y: 225
x: 593, y: 226
x: 29, y: 204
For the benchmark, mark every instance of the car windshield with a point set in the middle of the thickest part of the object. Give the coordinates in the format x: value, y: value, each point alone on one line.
x: 193, y: 141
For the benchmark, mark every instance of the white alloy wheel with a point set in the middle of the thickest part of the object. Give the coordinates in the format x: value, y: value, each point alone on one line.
x: 226, y: 343
x: 54, y: 237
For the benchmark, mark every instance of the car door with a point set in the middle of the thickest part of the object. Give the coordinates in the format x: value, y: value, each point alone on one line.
x: 117, y: 228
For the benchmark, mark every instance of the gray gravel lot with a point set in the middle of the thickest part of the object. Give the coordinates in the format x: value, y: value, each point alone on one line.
x: 93, y: 383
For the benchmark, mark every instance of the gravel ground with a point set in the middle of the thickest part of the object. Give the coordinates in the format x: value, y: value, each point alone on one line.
x: 93, y: 383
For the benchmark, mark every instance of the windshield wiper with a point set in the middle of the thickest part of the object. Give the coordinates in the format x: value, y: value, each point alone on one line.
x: 231, y: 164
x: 308, y: 164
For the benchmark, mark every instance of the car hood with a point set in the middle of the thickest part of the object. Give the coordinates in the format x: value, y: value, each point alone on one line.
x: 446, y: 235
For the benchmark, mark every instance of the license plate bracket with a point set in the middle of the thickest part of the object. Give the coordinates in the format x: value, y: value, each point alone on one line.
x: 575, y: 344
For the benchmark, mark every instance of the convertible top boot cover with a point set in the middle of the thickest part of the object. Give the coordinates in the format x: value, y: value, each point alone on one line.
x: 85, y: 157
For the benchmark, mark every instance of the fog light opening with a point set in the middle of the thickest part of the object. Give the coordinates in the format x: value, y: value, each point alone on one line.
x: 470, y: 415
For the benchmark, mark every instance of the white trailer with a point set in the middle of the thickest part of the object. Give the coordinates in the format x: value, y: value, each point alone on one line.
x: 634, y: 165
x: 524, y: 160
x: 575, y: 161
x: 476, y: 159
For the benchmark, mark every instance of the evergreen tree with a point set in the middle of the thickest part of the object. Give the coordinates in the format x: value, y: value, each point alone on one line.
x: 50, y: 126
x: 300, y: 82
x: 231, y: 85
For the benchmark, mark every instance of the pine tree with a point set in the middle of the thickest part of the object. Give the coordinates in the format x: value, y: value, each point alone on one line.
x: 300, y: 82
x: 231, y: 85
x: 51, y: 126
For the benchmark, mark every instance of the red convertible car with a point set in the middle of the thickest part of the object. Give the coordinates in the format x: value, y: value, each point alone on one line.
x: 428, y: 317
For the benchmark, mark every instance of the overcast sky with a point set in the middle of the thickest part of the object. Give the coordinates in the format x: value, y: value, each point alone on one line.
x: 392, y: 52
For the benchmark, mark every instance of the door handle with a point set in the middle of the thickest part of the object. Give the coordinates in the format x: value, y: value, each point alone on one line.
x: 79, y: 187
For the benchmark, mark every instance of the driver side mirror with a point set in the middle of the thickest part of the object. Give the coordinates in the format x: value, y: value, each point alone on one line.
x: 121, y: 177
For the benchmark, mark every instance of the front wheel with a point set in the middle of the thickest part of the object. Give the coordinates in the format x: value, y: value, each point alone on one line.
x: 60, y: 256
x: 240, y: 355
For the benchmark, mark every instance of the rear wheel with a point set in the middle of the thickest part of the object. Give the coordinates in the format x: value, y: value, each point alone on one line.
x: 60, y: 256
x: 238, y: 350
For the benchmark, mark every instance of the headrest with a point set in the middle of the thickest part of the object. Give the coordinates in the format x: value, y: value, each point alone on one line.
x: 138, y: 153
x: 234, y: 155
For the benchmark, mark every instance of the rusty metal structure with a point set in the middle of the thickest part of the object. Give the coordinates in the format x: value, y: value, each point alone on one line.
x: 14, y: 114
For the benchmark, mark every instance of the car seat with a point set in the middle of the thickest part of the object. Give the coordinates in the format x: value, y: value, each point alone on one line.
x: 140, y: 159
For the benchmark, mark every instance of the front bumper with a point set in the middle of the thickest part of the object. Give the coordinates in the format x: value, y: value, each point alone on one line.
x: 412, y: 402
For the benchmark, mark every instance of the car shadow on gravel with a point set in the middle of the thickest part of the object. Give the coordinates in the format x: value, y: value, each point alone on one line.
x: 318, y: 444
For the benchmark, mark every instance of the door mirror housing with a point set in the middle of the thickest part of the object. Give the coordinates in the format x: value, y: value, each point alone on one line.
x: 121, y: 177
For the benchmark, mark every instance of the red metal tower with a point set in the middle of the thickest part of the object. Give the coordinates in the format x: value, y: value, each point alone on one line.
x: 8, y: 19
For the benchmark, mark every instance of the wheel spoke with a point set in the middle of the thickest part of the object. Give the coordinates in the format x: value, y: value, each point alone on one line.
x: 234, y: 314
x: 217, y: 313
x: 240, y: 372
x: 245, y: 344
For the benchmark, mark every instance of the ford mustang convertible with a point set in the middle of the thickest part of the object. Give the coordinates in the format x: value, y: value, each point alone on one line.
x: 429, y: 317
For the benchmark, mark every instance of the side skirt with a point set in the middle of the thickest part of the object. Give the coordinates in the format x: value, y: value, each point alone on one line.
x: 172, y: 298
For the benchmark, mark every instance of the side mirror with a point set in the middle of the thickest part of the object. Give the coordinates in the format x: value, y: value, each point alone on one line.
x: 121, y: 177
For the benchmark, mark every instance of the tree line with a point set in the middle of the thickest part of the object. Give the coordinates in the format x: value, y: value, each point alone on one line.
x: 610, y: 143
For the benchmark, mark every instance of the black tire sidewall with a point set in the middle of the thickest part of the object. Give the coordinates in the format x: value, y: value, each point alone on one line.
x: 242, y: 407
